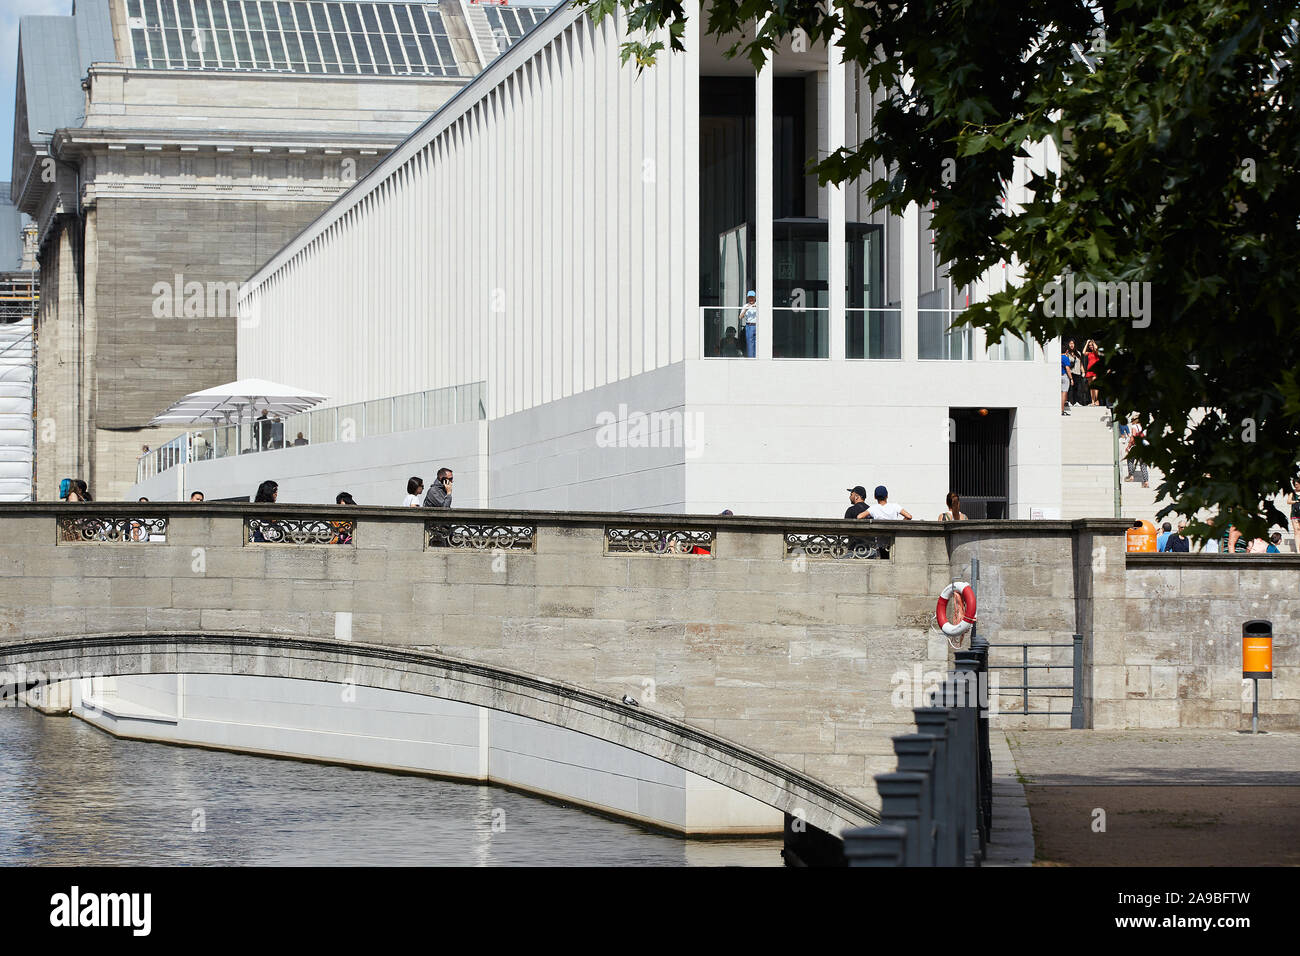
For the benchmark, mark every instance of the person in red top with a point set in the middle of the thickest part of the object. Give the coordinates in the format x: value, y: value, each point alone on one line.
x: 1091, y: 356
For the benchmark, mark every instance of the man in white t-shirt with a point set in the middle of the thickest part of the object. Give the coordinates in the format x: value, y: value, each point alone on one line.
x: 882, y: 510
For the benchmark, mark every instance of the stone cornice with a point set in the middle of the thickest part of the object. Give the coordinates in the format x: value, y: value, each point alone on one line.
x: 82, y: 140
x: 207, y: 75
x: 723, y: 523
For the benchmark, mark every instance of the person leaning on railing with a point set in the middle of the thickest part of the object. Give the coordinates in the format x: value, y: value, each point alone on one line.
x: 342, y: 529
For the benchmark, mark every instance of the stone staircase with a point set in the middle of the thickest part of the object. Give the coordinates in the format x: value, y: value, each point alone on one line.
x: 1087, y: 464
x: 1088, y: 475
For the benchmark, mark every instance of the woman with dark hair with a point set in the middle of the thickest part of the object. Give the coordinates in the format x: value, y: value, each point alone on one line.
x: 953, y: 501
x: 414, y: 492
x: 267, y: 492
x: 1091, y: 357
x: 80, y: 491
x: 1293, y: 500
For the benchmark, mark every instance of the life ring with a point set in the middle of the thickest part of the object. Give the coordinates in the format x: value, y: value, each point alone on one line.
x: 966, y: 596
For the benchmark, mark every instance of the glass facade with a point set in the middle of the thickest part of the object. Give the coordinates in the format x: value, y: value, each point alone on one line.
x: 295, y: 36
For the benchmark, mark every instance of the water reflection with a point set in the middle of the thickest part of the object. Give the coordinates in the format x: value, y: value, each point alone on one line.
x: 73, y: 795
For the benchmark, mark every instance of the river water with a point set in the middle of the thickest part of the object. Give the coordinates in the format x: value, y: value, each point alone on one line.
x: 71, y: 794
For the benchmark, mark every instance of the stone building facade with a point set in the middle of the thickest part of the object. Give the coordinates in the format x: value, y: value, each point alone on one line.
x: 156, y: 191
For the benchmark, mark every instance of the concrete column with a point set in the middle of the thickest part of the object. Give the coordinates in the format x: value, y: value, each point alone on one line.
x: 763, y: 144
x: 835, y: 197
x: 908, y: 267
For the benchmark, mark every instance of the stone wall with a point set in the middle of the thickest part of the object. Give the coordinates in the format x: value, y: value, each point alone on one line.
x: 145, y: 362
x: 797, y: 657
x: 1177, y: 662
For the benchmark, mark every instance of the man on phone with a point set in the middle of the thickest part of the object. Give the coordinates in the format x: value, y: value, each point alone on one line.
x: 439, y: 495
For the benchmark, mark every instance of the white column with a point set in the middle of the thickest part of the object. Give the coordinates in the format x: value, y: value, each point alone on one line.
x: 907, y: 266
x: 763, y: 105
x: 835, y: 268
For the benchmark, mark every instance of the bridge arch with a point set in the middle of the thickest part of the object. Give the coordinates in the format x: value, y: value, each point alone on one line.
x: 434, y: 675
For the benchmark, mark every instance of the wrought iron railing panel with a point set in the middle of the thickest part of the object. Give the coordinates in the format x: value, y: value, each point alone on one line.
x: 79, y: 529
x: 820, y: 545
x: 480, y: 537
x: 659, y: 541
x: 298, y: 531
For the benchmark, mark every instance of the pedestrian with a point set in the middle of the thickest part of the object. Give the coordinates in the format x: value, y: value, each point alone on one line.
x: 342, y: 529
x: 1165, y: 531
x: 1136, y: 440
x: 730, y: 346
x: 953, y: 501
x: 1065, y: 382
x: 1274, y: 540
x: 414, y: 489
x: 439, y: 495
x: 299, y: 441
x: 1091, y: 361
x: 882, y: 510
x: 262, y: 426
x: 79, y: 491
x: 267, y: 492
x: 1294, y: 500
x: 1177, y: 542
x: 196, y: 496
x: 857, y: 501
x: 748, y: 320
x: 1079, y: 368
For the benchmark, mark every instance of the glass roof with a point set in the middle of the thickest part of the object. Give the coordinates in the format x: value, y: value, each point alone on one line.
x: 510, y: 23
x: 299, y: 36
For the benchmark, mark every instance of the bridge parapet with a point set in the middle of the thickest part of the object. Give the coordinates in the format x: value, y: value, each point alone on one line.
x: 713, y: 621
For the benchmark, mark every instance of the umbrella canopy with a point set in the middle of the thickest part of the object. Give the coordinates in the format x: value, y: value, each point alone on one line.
x: 245, y: 398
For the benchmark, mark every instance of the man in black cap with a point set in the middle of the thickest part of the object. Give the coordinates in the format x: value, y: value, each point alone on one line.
x: 858, y: 501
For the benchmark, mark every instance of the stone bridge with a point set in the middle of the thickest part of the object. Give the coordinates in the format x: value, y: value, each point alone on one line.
x: 762, y: 656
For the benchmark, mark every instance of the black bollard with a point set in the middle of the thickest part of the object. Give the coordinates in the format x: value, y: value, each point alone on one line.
x: 900, y: 805
x: 915, y: 754
x: 875, y: 846
x: 934, y: 722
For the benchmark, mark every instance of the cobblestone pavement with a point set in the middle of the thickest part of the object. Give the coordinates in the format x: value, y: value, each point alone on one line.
x: 1161, y: 797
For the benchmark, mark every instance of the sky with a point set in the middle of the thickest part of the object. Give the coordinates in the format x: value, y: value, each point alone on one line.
x: 10, y: 12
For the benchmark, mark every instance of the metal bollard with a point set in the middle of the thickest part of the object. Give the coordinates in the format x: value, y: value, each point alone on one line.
x: 968, y: 667
x: 933, y: 721
x: 958, y: 692
x: 900, y: 805
x: 875, y: 846
x: 915, y: 753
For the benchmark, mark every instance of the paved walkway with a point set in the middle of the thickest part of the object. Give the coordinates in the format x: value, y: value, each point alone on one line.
x: 1012, y: 841
x: 1155, y: 757
x: 1160, y: 797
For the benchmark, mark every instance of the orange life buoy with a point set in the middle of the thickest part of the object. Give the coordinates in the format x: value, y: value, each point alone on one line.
x: 966, y: 596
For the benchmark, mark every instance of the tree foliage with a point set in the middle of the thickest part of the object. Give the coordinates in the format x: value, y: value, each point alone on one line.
x: 1177, y: 124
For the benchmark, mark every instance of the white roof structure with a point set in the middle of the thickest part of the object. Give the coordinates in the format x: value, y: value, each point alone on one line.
x: 229, y: 403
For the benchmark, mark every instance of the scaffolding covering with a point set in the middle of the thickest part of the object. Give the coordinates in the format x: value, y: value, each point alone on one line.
x: 19, y: 297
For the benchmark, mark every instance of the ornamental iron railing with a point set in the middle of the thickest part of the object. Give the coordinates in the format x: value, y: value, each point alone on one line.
x: 298, y: 531
x: 819, y: 546
x: 659, y: 541
x: 126, y: 529
x: 480, y: 537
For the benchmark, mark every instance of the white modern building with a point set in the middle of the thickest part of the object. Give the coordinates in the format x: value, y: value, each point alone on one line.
x: 572, y: 240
